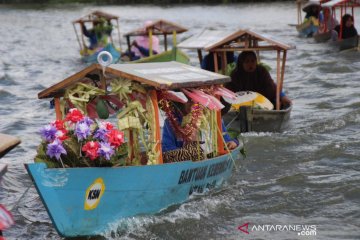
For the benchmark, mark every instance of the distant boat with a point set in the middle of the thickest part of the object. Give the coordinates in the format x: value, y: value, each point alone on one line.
x: 96, y: 20
x: 84, y: 201
x: 341, y: 43
x: 252, y: 119
x: 159, y: 28
x: 311, y: 25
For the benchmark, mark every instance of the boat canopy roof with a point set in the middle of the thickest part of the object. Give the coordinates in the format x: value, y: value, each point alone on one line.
x: 248, y: 40
x: 158, y: 27
x: 95, y: 16
x: 339, y: 3
x: 205, y: 39
x: 162, y: 75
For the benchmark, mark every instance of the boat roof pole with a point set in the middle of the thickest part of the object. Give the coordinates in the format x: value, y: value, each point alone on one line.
x: 77, y: 36
x: 283, y: 70
x: 118, y: 28
x: 129, y: 46
x: 257, y: 50
x: 299, y: 12
x: 199, y: 55
x: 82, y: 39
x: 174, y: 38
x: 223, y: 62
x: 165, y: 41
x: 157, y: 133
x: 216, y: 67
x: 341, y: 22
x: 58, y: 112
x: 150, y: 43
x: 278, y: 81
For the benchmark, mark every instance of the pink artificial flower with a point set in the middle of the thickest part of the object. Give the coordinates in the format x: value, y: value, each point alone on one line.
x: 61, y: 134
x: 91, y: 149
x: 106, y: 125
x: 59, y: 124
x: 115, y: 138
x: 74, y: 115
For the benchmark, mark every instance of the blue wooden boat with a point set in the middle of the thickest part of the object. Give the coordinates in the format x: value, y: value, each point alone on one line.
x: 92, y: 58
x: 106, y: 41
x: 83, y: 201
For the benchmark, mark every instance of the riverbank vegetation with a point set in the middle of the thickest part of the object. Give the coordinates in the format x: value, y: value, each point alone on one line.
x: 132, y: 1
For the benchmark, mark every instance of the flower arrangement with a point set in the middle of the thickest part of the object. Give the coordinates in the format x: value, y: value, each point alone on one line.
x: 78, y: 141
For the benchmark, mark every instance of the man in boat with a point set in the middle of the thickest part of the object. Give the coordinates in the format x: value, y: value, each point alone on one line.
x: 175, y: 148
x: 98, y: 35
x: 251, y: 76
x: 347, y: 30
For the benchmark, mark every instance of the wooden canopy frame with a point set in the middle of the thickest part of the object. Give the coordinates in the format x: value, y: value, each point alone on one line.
x: 158, y: 27
x: 247, y: 40
x: 94, y: 17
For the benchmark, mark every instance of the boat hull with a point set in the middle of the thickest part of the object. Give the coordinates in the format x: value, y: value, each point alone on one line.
x: 167, y: 56
x: 83, y: 201
x: 257, y: 120
x: 322, y: 37
x: 109, y: 48
x: 349, y: 43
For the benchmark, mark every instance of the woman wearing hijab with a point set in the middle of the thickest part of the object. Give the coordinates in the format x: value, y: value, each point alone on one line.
x: 250, y: 76
x: 348, y: 29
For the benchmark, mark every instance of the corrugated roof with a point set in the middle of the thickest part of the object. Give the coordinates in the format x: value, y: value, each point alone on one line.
x: 162, y: 75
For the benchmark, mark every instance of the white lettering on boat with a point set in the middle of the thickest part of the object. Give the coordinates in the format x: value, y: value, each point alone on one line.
x: 200, y: 173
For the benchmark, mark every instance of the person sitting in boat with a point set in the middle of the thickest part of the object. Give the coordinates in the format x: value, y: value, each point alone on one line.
x: 251, y: 76
x: 347, y: 29
x: 176, y: 149
x: 328, y: 22
x: 140, y: 47
x: 98, y: 35
x: 208, y: 61
x: 312, y: 19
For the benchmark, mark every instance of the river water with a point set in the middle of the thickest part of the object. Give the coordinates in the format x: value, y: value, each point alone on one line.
x: 307, y: 175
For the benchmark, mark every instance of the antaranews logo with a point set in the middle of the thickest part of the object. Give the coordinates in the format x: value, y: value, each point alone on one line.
x: 299, y: 229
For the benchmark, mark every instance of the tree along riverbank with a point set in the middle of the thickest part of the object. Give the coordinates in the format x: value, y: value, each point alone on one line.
x: 132, y: 1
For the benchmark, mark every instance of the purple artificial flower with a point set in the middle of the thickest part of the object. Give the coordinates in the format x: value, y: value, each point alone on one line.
x: 82, y: 130
x: 105, y: 150
x: 101, y: 133
x: 88, y: 121
x: 48, y: 132
x: 55, y: 149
